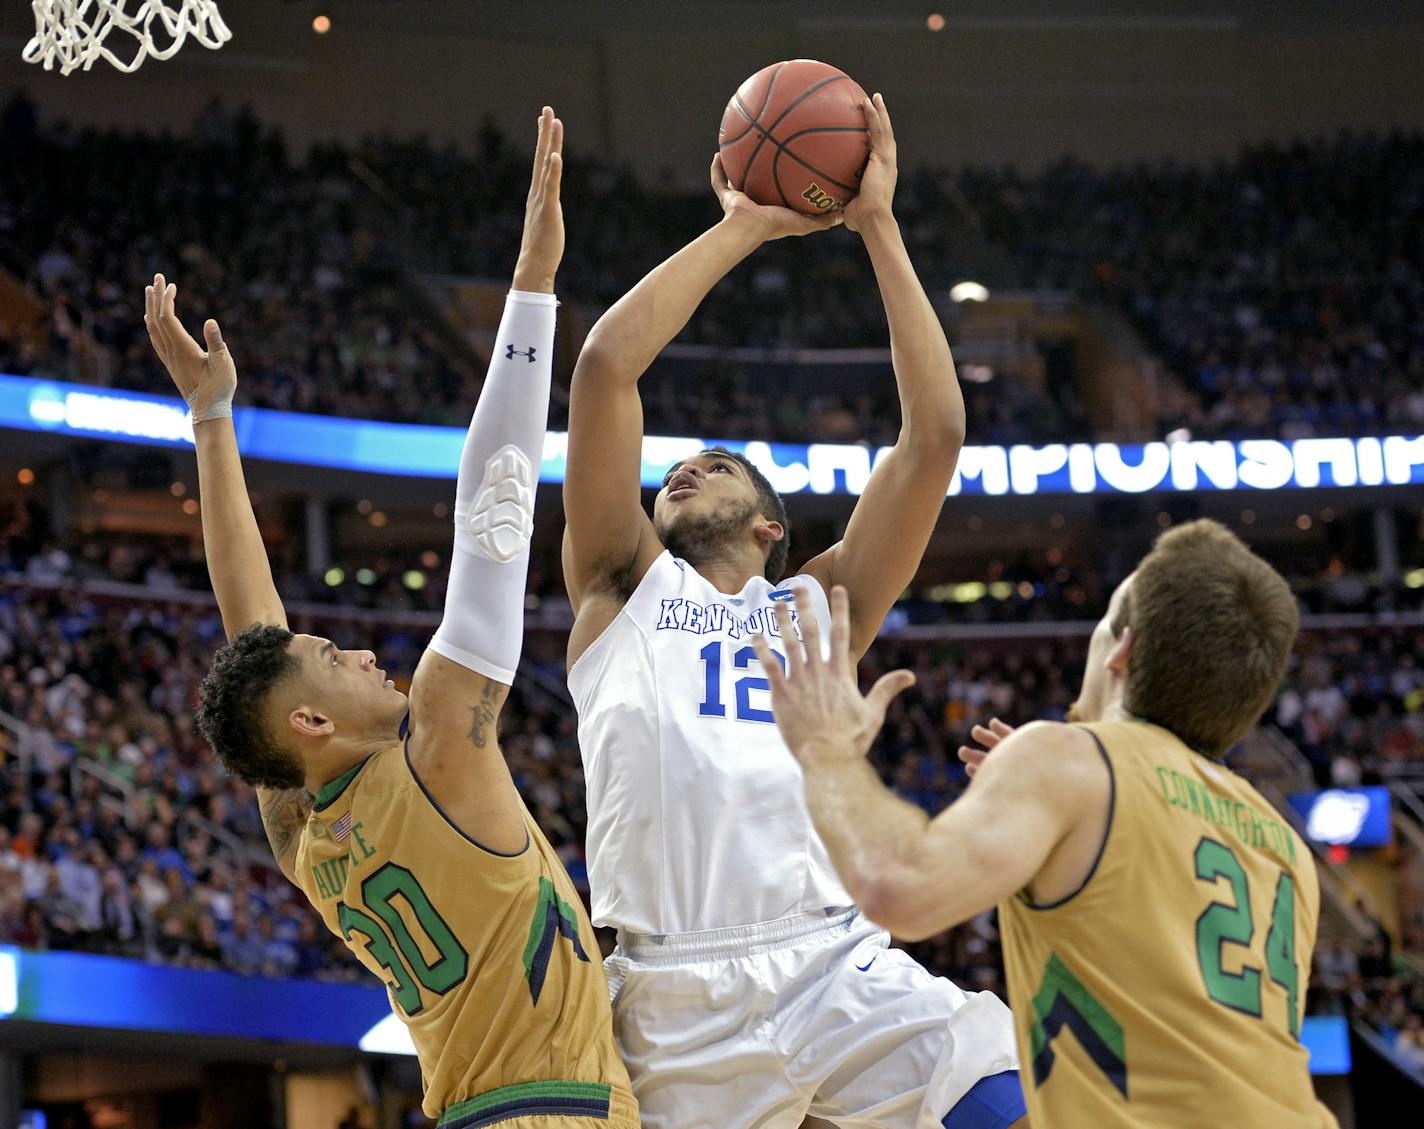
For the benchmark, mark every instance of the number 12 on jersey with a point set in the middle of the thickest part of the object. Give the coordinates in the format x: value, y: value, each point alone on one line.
x: 713, y: 705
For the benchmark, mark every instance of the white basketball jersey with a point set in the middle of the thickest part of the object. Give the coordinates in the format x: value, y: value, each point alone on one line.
x: 697, y: 814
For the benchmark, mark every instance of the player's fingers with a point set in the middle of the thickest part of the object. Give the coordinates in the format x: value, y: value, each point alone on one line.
x: 810, y: 629
x: 720, y: 183
x: 776, y: 677
x: 163, y: 313
x: 971, y: 756
x: 795, y: 653
x: 986, y: 737
x: 884, y: 116
x: 840, y: 629
x: 872, y: 124
x: 821, y: 223
x: 159, y: 285
x: 767, y: 657
x: 180, y: 341
x: 1002, y: 728
x: 150, y: 321
x: 887, y: 689
x: 541, y: 143
x: 550, y: 178
x: 213, y: 336
x: 553, y: 155
x: 536, y: 178
x: 553, y: 178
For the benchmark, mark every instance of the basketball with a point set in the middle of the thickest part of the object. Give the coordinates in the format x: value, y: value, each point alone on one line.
x: 794, y: 134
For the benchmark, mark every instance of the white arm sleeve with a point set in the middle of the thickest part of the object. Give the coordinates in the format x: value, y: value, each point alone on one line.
x: 483, y: 626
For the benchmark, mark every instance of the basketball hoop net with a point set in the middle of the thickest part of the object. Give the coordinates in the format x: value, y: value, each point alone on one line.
x: 72, y: 33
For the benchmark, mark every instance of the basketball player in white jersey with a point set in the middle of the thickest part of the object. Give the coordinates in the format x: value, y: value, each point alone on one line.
x: 747, y: 988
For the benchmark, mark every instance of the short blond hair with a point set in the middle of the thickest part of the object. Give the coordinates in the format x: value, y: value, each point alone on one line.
x: 1213, y: 626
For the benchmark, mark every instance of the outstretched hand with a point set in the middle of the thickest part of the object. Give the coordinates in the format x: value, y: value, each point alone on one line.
x: 877, y: 183
x: 989, y: 737
x: 766, y: 220
x: 818, y: 705
x: 206, y: 378
x: 542, y: 247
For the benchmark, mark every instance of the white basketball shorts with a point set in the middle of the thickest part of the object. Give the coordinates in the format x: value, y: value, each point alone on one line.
x: 814, y: 1015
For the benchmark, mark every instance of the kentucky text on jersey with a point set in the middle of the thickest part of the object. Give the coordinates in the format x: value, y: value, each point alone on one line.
x: 681, y: 614
x: 1244, y: 821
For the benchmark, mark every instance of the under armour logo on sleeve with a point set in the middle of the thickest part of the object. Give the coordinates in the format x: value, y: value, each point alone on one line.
x: 510, y: 352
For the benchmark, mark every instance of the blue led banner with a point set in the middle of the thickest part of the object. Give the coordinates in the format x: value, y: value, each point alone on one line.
x: 107, y: 992
x: 81, y: 990
x: 820, y: 468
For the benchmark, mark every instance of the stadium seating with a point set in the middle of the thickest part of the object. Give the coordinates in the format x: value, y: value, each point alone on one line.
x: 119, y: 833
x: 1284, y: 300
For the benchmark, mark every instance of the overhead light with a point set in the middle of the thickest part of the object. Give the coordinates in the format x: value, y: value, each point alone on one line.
x: 321, y: 24
x: 935, y: 22
x: 969, y: 292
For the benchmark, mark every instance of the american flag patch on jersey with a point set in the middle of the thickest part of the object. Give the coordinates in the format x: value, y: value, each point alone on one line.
x: 341, y: 829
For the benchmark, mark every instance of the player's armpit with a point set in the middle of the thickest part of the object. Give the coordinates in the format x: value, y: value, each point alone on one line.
x: 1032, y: 820
x: 454, y: 752
x: 284, y: 813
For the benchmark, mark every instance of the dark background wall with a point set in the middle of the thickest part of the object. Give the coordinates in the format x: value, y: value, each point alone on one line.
x: 1007, y: 80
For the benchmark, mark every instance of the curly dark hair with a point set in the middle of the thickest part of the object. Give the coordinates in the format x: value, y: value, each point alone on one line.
x: 232, y: 701
x: 771, y: 506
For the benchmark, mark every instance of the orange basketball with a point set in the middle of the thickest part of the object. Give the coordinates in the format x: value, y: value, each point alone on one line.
x: 794, y: 134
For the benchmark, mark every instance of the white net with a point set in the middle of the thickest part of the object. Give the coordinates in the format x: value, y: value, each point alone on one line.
x: 72, y: 34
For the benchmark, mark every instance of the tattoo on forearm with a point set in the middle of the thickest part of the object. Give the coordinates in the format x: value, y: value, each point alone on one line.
x: 482, y: 724
x: 284, y: 814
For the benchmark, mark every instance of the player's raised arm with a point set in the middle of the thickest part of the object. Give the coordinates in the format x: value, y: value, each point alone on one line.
x: 893, y: 520
x: 237, y: 560
x: 609, y: 540
x: 1044, y: 787
x: 207, y: 379
x: 463, y: 678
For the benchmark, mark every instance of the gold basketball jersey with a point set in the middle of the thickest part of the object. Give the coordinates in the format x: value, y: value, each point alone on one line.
x: 1168, y: 991
x: 489, y: 958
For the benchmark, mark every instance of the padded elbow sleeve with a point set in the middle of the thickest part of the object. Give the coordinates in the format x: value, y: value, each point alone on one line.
x: 483, y: 625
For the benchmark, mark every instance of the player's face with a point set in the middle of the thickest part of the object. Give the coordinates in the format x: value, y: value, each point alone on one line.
x: 348, y: 686
x: 706, y: 484
x: 1102, y: 685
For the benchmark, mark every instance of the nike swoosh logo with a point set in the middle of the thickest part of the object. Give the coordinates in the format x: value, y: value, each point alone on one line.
x: 866, y: 966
